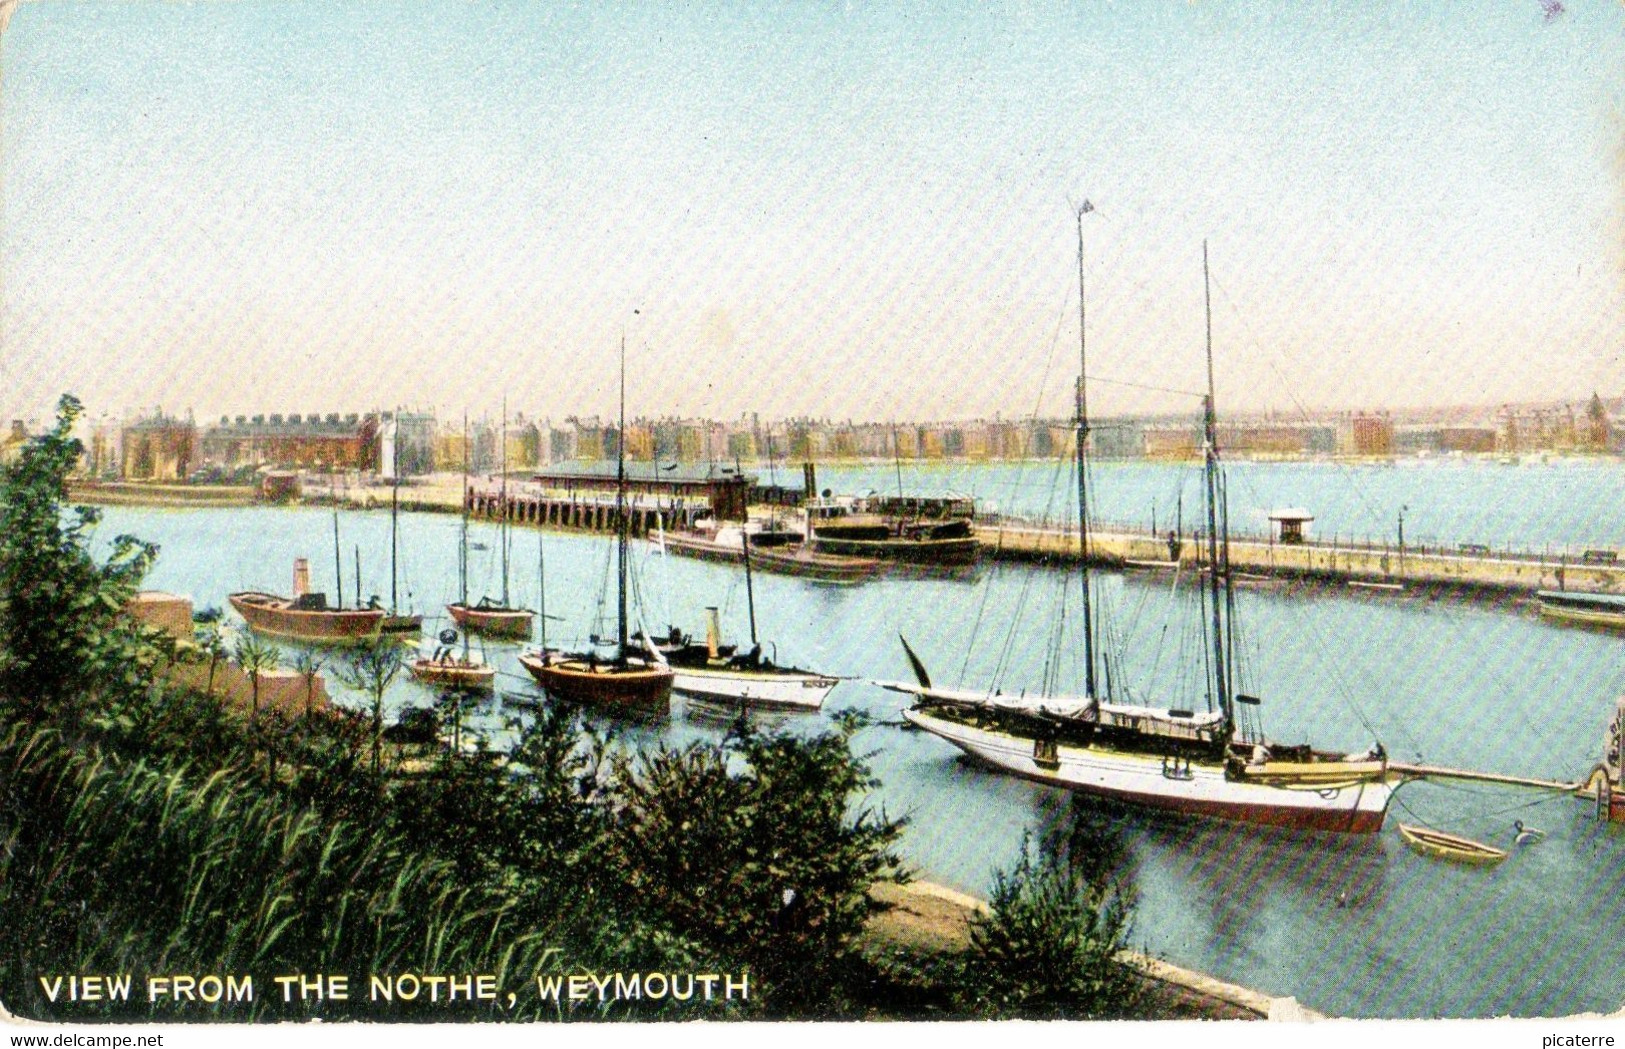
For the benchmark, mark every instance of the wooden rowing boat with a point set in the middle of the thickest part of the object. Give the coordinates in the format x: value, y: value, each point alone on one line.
x: 1598, y: 611
x: 1438, y: 844
x: 453, y: 672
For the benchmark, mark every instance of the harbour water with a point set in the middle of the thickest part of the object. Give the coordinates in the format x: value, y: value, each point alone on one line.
x: 1351, y: 926
x: 1528, y: 504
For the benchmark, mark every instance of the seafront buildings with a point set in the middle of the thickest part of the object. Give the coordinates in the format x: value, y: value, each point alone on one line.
x: 160, y: 446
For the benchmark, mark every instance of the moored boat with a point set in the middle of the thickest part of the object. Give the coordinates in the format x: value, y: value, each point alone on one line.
x: 492, y: 620
x: 451, y: 670
x: 1601, y: 611
x: 489, y: 617
x: 1453, y: 847
x: 1313, y: 791
x: 918, y: 531
x: 754, y: 683
x: 720, y: 673
x: 405, y: 623
x: 787, y: 558
x: 305, y: 616
x: 626, y: 679
x: 1202, y: 763
x: 454, y: 672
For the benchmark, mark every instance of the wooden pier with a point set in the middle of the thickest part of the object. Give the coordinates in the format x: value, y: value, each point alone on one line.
x: 583, y: 513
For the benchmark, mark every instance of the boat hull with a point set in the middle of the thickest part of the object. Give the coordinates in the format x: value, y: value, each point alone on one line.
x: 492, y: 622
x: 275, y: 617
x: 1577, y: 615
x: 789, y: 690
x: 1355, y: 806
x: 961, y: 550
x: 635, y: 684
x: 401, y: 624
x: 455, y: 673
x: 1440, y: 845
x: 785, y: 561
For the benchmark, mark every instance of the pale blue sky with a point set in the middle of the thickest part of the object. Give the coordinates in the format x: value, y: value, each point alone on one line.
x: 847, y: 211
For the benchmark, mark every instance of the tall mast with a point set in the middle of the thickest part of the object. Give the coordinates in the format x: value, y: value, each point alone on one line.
x: 750, y: 591
x: 338, y: 557
x: 1210, y: 426
x: 462, y: 555
x: 502, y: 523
x: 394, y: 510
x: 1081, y: 426
x: 541, y: 586
x: 620, y: 517
x: 897, y: 461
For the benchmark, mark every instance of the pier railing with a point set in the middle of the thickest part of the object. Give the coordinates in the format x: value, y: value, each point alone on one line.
x: 1564, y: 554
x: 1463, y: 565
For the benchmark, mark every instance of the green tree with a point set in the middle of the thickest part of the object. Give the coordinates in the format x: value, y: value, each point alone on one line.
x: 255, y: 656
x: 64, y: 638
x: 762, y: 851
x: 1057, y: 921
x: 370, y: 667
x: 308, y: 661
x: 1597, y: 425
x: 213, y: 641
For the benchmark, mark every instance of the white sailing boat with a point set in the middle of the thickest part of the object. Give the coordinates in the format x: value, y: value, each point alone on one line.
x: 1185, y: 761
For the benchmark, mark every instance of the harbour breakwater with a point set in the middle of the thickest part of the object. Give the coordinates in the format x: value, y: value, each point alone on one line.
x: 126, y: 493
x: 1469, y: 567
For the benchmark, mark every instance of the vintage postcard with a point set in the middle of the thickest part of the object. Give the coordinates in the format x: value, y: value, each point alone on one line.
x: 519, y: 512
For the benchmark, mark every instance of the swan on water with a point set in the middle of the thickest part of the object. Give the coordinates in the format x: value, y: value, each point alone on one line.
x: 1526, y: 835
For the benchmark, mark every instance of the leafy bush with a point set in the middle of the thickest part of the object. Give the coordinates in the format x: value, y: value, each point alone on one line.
x: 1048, y: 945
x: 62, y: 632
x: 754, y: 850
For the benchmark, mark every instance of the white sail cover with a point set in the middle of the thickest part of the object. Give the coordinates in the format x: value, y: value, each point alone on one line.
x: 1078, y: 708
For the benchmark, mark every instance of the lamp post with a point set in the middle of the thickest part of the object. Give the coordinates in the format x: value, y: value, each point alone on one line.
x: 1402, y: 510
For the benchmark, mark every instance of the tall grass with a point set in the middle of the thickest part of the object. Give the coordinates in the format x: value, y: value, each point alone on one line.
x: 108, y: 866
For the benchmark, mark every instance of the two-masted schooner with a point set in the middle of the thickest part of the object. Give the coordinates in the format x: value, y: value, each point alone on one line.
x: 1186, y: 761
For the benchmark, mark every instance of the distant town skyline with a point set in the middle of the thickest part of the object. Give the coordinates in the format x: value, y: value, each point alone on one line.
x: 809, y: 212
x: 162, y: 447
x: 492, y: 416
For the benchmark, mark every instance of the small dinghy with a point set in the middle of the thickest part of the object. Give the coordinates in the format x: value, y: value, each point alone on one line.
x: 1438, y: 844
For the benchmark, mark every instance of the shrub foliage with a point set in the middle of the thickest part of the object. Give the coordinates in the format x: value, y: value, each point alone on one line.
x: 1049, y: 944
